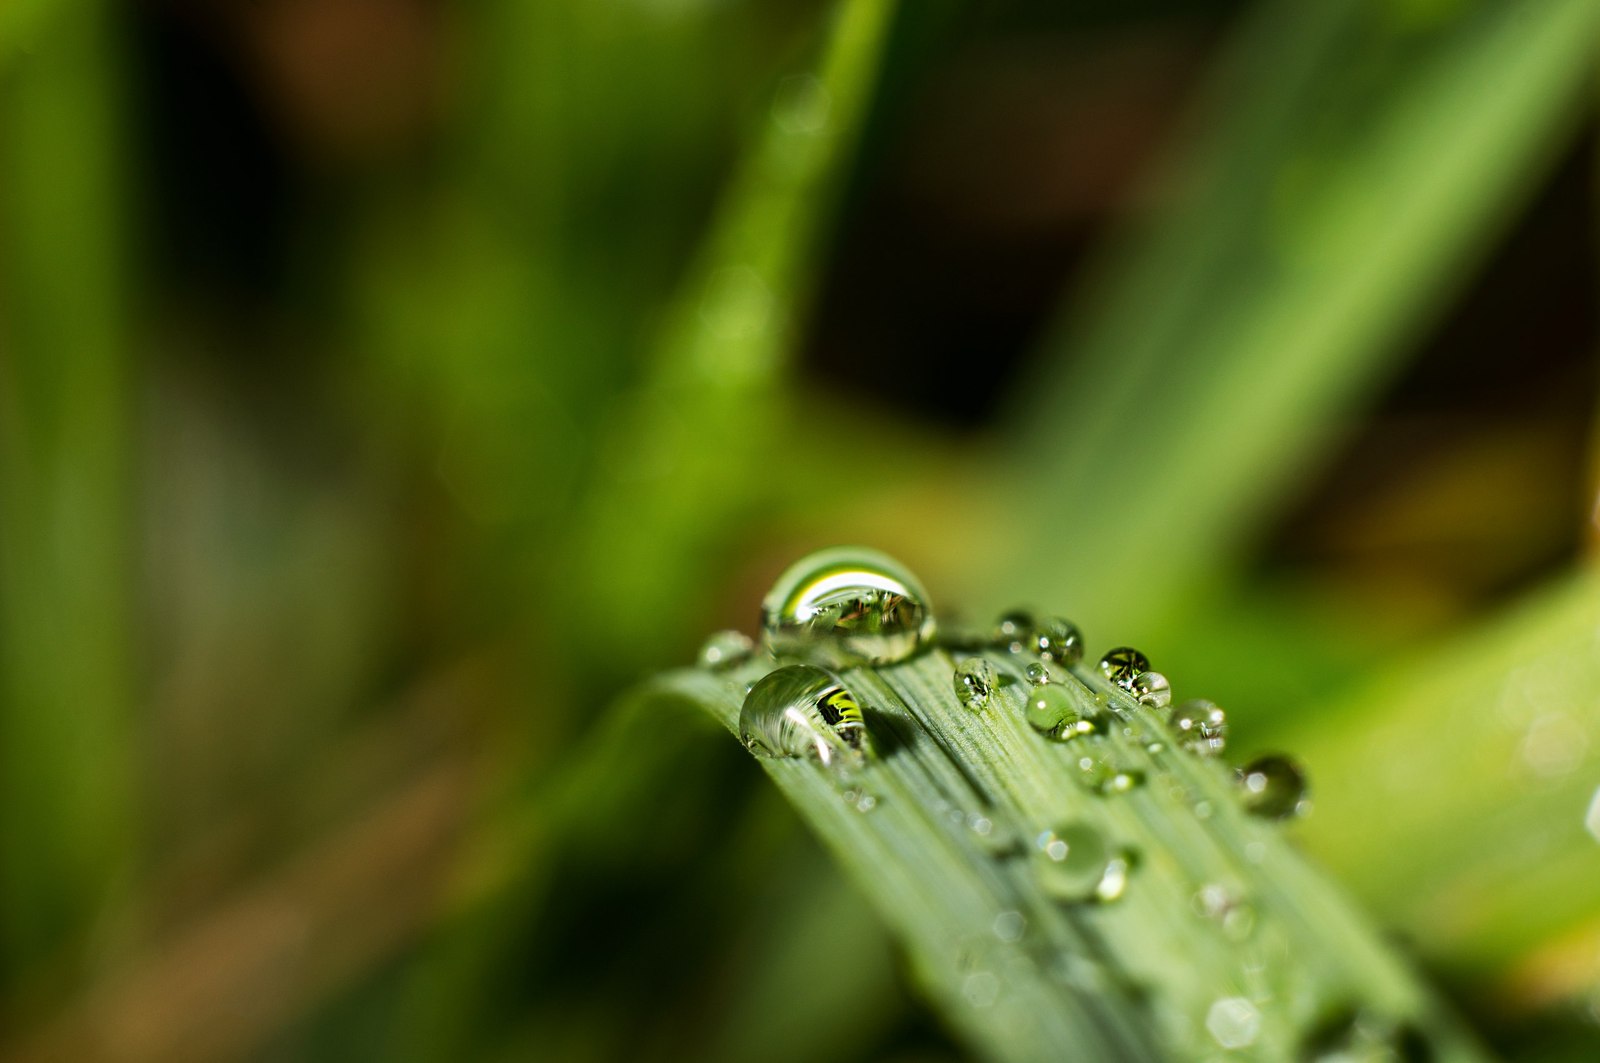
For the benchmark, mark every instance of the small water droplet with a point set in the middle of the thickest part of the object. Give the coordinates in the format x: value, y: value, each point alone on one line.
x: 993, y: 837
x: 1154, y: 747
x: 847, y: 606
x: 981, y: 988
x: 1037, y: 674
x: 803, y: 711
x: 1010, y: 925
x: 1201, y: 727
x: 1122, y: 781
x: 1072, y: 727
x: 860, y: 800
x: 1592, y: 821
x: 1225, y: 907
x: 1234, y: 1022
x: 725, y: 649
x: 1123, y: 665
x: 1014, y: 631
x: 1058, y: 639
x: 1049, y: 707
x: 1202, y: 810
x: 974, y: 681
x: 1114, y: 883
x: 1094, y: 772
x: 1153, y: 689
x: 1274, y: 787
x: 1070, y: 861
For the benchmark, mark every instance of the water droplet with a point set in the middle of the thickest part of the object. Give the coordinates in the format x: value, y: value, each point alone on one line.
x: 1592, y: 820
x: 1094, y: 772
x: 1114, y: 883
x: 1123, y: 665
x: 847, y: 606
x: 1049, y: 707
x: 803, y: 711
x: 725, y: 649
x: 1014, y: 631
x: 1201, y: 726
x: 1234, y: 1022
x: 1038, y: 674
x: 860, y: 800
x: 981, y: 988
x: 991, y: 835
x: 1009, y: 926
x: 1122, y: 781
x: 1070, y: 861
x: 1152, y: 689
x: 802, y: 105
x: 1274, y: 787
x: 1202, y: 810
x: 1058, y: 639
x: 974, y: 681
x: 1074, y: 726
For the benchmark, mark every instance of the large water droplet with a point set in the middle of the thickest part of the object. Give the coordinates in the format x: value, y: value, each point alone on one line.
x: 1049, y: 707
x: 1234, y: 1022
x: 803, y: 711
x: 1152, y: 689
x: 726, y: 649
x: 1070, y: 861
x: 1058, y: 639
x: 1274, y: 787
x: 1123, y: 665
x: 1014, y: 631
x: 974, y: 681
x: 1202, y: 727
x: 847, y: 606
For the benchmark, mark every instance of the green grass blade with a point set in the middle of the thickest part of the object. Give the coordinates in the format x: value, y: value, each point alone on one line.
x: 66, y: 810
x: 1471, y: 768
x: 687, y: 448
x: 1132, y: 978
x: 1363, y: 155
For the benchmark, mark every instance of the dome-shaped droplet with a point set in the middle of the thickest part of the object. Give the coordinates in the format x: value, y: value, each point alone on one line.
x: 1014, y: 631
x: 1201, y: 727
x: 803, y: 711
x: 1059, y: 640
x: 1048, y: 707
x: 974, y: 681
x: 1234, y: 1022
x: 1037, y: 674
x: 1123, y: 665
x: 1070, y: 861
x: 726, y: 649
x: 1114, y: 883
x: 1274, y: 787
x: 847, y: 606
x: 1152, y: 689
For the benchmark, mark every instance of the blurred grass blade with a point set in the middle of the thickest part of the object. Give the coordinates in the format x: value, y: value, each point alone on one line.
x: 690, y: 444
x: 1362, y: 156
x: 1144, y: 972
x: 66, y: 810
x: 1471, y: 768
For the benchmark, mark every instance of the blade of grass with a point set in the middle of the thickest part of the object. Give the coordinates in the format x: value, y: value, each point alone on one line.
x: 67, y: 807
x: 1363, y: 154
x: 690, y: 444
x: 1135, y: 978
x: 1471, y: 766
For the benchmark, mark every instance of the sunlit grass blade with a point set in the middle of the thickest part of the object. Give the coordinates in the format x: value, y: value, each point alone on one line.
x: 1470, y: 769
x: 1143, y: 971
x: 1358, y: 158
x: 692, y: 445
x: 67, y: 806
